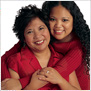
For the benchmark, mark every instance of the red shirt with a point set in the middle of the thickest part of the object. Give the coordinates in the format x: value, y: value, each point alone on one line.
x: 25, y: 63
x: 71, y: 61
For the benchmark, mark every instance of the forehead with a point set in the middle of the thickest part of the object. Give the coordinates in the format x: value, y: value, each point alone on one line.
x: 60, y: 11
x: 36, y: 22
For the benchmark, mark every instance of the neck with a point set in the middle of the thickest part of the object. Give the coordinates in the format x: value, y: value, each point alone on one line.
x: 68, y: 38
x: 43, y: 54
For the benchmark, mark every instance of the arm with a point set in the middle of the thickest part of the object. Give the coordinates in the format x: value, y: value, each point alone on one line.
x: 14, y: 74
x: 4, y: 70
x: 14, y: 84
x: 69, y: 62
x: 55, y: 78
x: 73, y: 83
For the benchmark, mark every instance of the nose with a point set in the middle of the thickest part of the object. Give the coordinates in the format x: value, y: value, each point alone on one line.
x: 58, y: 24
x: 36, y: 35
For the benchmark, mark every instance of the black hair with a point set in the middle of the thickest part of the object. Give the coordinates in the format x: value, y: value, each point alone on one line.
x: 25, y: 15
x: 79, y: 24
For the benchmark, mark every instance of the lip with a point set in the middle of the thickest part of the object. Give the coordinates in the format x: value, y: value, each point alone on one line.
x: 58, y: 31
x: 39, y: 42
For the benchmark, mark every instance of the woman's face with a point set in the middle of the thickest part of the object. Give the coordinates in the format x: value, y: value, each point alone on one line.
x: 61, y: 23
x: 37, y: 35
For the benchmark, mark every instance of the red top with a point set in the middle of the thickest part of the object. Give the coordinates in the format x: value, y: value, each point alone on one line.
x: 25, y: 64
x: 72, y: 60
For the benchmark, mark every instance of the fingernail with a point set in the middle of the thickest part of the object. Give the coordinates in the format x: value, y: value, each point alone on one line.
x: 39, y: 78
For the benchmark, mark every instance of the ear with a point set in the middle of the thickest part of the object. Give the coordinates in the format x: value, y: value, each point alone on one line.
x: 24, y: 40
x: 24, y: 44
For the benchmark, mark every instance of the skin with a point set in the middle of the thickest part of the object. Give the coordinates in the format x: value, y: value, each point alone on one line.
x: 37, y: 36
x: 10, y: 84
x: 61, y: 24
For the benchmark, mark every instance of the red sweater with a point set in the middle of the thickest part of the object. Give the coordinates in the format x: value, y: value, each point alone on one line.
x: 71, y: 61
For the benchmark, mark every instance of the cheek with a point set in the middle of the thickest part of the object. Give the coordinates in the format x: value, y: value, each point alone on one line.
x: 47, y: 34
x: 28, y: 40
x: 68, y: 26
x: 51, y: 25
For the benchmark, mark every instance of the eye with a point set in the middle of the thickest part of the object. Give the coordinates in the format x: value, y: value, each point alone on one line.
x: 52, y: 19
x: 64, y: 20
x: 29, y: 32
x: 41, y: 28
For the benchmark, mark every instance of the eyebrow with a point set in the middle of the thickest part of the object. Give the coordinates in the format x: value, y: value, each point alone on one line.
x: 62, y: 17
x: 42, y: 25
x: 28, y: 30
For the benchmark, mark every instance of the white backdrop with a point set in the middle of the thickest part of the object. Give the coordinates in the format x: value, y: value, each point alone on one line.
x: 9, y: 9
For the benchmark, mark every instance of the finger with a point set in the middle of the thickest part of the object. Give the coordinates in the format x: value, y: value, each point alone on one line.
x: 2, y: 84
x: 41, y: 73
x: 40, y: 76
x: 43, y: 79
x: 6, y: 80
x: 43, y: 70
x: 36, y: 72
x: 2, y: 87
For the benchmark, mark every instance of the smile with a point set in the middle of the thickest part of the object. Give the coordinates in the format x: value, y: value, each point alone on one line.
x: 58, y: 32
x: 39, y: 42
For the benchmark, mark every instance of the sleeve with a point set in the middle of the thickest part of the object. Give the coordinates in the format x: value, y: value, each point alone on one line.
x: 12, y: 62
x: 25, y: 81
x: 4, y: 65
x: 4, y: 69
x: 70, y: 62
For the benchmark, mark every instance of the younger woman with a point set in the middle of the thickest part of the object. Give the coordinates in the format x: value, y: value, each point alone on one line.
x: 71, y: 37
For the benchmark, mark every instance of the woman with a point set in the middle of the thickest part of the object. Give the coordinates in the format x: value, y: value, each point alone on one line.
x: 70, y: 36
x: 31, y: 29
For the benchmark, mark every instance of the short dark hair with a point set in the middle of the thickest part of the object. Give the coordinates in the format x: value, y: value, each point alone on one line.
x: 25, y: 15
x: 79, y: 24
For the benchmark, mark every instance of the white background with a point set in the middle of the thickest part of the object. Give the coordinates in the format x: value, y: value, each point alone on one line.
x: 9, y: 10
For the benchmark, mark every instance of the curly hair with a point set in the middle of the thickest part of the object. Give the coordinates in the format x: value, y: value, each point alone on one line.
x: 25, y: 15
x: 79, y: 24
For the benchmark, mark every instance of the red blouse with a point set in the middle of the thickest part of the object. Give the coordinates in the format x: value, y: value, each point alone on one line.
x: 25, y: 64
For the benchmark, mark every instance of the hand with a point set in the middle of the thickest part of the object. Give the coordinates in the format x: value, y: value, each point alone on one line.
x: 11, y: 84
x: 51, y: 75
x: 34, y: 80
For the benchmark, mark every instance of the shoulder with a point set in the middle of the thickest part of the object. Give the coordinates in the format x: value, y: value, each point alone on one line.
x: 14, y: 57
x: 54, y: 53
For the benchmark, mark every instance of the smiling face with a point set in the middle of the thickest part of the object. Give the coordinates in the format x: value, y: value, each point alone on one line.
x: 37, y: 35
x: 61, y: 23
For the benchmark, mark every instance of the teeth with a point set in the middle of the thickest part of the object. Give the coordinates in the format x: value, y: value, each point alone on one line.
x: 58, y: 31
x: 39, y: 42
